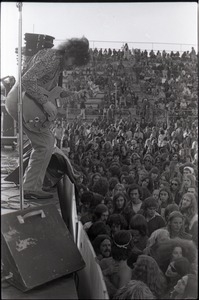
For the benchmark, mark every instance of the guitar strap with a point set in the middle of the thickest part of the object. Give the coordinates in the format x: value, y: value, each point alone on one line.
x: 48, y: 86
x: 53, y: 82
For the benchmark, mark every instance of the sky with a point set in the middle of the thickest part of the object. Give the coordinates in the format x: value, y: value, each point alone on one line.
x: 108, y: 24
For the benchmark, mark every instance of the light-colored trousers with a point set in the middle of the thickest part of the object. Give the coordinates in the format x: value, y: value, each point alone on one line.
x: 42, y: 148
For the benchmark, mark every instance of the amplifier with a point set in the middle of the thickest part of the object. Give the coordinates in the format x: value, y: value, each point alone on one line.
x: 37, y: 247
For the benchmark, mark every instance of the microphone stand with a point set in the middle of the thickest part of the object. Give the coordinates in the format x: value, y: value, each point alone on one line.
x: 20, y: 107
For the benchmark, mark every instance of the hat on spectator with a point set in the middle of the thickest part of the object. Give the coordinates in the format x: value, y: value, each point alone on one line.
x: 190, y: 169
x: 185, y: 165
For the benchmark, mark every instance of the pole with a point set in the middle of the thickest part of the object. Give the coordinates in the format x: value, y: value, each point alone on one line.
x: 20, y: 112
x: 116, y: 95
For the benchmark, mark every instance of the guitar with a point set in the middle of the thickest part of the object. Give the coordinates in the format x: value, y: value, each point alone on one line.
x: 34, y: 116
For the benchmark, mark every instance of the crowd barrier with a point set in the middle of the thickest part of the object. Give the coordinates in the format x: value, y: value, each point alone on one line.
x: 90, y: 283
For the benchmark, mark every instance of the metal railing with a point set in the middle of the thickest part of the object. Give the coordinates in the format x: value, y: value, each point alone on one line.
x: 155, y: 46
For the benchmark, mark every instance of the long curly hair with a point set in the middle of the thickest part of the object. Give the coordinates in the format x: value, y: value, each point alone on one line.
x: 190, y: 211
x: 164, y: 251
x: 134, y: 289
x: 147, y: 270
x: 191, y: 289
x: 117, y: 219
x: 77, y: 48
x: 172, y: 215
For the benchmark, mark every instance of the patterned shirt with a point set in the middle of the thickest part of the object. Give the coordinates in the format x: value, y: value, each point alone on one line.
x: 41, y: 71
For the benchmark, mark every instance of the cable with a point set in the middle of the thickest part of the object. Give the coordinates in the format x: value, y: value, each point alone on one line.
x: 7, y: 188
x: 76, y: 279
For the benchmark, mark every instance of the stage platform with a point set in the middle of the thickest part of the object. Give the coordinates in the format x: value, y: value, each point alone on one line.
x: 61, y: 288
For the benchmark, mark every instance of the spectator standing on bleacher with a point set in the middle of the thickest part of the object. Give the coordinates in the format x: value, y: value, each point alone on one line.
x: 126, y: 52
x: 58, y: 132
x: 83, y: 98
x: 110, y: 114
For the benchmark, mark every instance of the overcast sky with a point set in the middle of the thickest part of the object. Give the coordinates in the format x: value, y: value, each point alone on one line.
x: 164, y: 22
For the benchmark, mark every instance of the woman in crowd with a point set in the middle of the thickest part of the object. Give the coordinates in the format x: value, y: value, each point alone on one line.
x: 187, y: 182
x: 154, y: 240
x: 135, y: 289
x: 119, y: 203
x: 175, y: 185
x: 175, y: 226
x: 176, y: 270
x: 86, y: 165
x: 146, y: 187
x: 171, y: 249
x: 188, y: 207
x: 186, y: 288
x: 119, y: 188
x: 165, y: 198
x: 147, y: 270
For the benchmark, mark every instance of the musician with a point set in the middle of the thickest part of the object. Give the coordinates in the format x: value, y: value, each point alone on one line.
x: 43, y: 71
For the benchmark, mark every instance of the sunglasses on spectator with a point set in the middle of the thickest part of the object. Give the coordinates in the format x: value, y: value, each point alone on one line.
x: 147, y: 160
x: 174, y: 183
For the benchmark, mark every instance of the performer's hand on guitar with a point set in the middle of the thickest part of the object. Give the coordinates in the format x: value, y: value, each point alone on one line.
x: 50, y: 109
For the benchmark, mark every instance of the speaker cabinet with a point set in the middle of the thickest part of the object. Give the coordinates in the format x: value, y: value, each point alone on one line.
x: 37, y: 247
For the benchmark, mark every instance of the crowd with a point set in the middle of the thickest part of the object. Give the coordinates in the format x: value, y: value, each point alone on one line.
x: 137, y: 191
x: 168, y: 81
